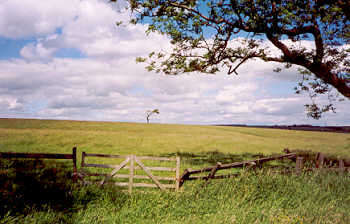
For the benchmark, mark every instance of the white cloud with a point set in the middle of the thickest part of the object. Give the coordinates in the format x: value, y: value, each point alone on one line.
x: 91, y: 28
x: 273, y: 105
x: 10, y: 104
x: 95, y: 33
x: 120, y: 90
x: 231, y: 93
x: 37, y: 52
x: 32, y: 18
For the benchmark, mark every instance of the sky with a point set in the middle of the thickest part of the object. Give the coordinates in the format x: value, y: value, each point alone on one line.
x: 67, y: 59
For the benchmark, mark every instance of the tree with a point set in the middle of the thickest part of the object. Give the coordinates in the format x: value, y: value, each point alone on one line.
x: 150, y: 112
x: 202, y: 33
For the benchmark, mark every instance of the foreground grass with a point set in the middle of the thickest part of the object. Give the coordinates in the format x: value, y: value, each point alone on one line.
x: 250, y: 198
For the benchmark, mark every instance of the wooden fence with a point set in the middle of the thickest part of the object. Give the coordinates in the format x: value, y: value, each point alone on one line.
x: 343, y: 165
x: 186, y: 176
x: 136, y: 164
x: 18, y: 155
x: 132, y: 163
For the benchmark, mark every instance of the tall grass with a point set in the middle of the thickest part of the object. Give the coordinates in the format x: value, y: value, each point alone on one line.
x: 260, y: 197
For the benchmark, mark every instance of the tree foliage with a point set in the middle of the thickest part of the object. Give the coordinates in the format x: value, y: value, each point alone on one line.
x: 208, y: 36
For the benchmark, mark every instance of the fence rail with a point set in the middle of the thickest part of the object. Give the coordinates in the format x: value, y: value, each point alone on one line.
x: 132, y: 163
x: 19, y: 155
x: 213, y: 169
x: 343, y: 166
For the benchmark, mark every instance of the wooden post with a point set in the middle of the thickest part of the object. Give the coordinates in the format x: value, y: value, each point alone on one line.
x: 74, y: 155
x: 186, y: 174
x: 177, y: 175
x: 83, y: 154
x: 213, y: 171
x: 320, y: 160
x: 131, y: 176
x: 341, y: 166
x: 74, y: 158
x: 299, y: 165
x: 82, y: 171
x: 211, y: 175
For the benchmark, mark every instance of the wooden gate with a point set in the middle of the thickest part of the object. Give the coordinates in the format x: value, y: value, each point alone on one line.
x: 133, y: 164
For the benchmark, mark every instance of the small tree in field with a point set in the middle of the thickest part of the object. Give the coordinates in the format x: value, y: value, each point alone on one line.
x: 150, y: 112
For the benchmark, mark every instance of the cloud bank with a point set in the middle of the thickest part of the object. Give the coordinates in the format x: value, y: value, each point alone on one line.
x: 80, y: 65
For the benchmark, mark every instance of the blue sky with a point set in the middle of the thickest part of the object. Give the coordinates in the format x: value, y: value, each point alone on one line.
x: 59, y: 62
x: 11, y: 48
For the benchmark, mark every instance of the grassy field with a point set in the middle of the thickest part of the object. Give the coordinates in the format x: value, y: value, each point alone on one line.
x: 160, y: 139
x: 250, y: 198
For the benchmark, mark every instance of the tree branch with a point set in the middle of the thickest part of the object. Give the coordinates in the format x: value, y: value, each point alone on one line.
x: 198, y: 13
x: 286, y: 52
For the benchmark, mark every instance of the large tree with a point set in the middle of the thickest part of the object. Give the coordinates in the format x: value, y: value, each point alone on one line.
x: 204, y: 36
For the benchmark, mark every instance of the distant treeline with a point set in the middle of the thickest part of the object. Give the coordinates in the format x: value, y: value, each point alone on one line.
x: 302, y: 127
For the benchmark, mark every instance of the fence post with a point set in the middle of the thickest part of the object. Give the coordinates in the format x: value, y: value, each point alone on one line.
x: 320, y: 160
x: 74, y: 158
x: 213, y: 171
x: 131, y: 174
x: 82, y: 171
x: 177, y: 175
x: 74, y: 155
x: 299, y: 165
x: 83, y: 159
x: 341, y: 166
x: 186, y: 174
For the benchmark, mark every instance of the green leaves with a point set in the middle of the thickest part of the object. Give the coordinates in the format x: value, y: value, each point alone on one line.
x: 206, y: 37
x: 314, y: 111
x: 140, y: 60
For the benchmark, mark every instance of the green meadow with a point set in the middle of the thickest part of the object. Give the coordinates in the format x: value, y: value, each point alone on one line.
x: 21, y: 135
x: 252, y: 197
